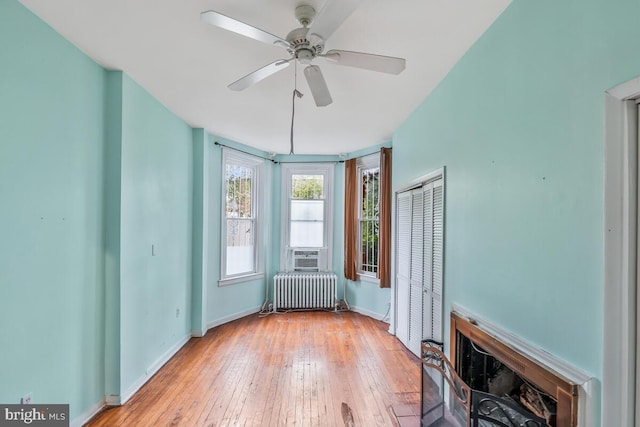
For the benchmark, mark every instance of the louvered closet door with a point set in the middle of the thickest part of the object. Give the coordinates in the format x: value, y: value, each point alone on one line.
x: 417, y: 269
x: 403, y: 264
x: 419, y: 243
x: 427, y: 258
x: 433, y: 254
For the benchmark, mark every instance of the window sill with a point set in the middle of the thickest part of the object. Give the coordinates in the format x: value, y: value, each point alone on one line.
x: 368, y: 279
x: 240, y: 279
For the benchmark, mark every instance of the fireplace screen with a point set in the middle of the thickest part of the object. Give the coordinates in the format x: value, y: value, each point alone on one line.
x: 489, y: 383
x: 445, y: 398
x: 448, y: 401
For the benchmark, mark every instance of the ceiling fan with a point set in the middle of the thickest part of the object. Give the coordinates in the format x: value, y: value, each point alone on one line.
x: 306, y: 43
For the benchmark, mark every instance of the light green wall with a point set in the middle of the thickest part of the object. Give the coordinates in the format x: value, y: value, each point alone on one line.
x: 156, y: 210
x: 113, y: 181
x: 276, y: 223
x: 518, y: 123
x: 93, y: 171
x: 200, y: 224
x: 52, y: 130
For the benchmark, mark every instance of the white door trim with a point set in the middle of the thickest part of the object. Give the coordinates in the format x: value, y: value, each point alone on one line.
x: 620, y: 258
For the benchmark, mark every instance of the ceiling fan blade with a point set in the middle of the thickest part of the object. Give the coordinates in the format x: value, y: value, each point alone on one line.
x: 260, y: 74
x: 219, y: 20
x: 332, y: 15
x: 368, y: 61
x: 318, y: 86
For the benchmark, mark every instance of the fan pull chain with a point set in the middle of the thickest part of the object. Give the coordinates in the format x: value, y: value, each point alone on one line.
x: 297, y: 93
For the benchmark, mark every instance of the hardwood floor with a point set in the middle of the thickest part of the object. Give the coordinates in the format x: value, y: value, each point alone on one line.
x: 294, y: 369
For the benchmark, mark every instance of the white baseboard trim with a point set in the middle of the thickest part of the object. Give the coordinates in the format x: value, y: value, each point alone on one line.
x: 113, y: 400
x: 198, y: 333
x: 155, y: 367
x: 88, y: 414
x: 369, y: 313
x: 232, y: 317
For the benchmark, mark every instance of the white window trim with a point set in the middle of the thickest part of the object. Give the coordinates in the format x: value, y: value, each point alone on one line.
x: 240, y: 279
x: 365, y: 162
x: 364, y: 277
x: 288, y: 170
x: 232, y: 156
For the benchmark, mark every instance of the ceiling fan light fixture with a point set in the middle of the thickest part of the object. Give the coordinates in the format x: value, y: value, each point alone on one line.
x: 305, y: 56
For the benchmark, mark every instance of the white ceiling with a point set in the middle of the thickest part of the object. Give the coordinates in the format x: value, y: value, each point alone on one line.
x: 187, y: 64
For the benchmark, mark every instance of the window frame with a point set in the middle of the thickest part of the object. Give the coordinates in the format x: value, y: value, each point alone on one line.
x: 288, y: 170
x: 257, y: 165
x: 366, y: 162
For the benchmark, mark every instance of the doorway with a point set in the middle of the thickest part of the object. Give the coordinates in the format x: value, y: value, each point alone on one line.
x: 620, y: 382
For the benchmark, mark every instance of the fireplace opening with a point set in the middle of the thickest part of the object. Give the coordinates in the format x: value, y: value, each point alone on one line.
x: 495, y: 367
x: 482, y: 371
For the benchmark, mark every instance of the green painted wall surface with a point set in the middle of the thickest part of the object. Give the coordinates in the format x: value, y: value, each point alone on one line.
x: 113, y: 183
x: 519, y: 125
x: 51, y: 216
x: 276, y: 224
x: 200, y: 225
x: 338, y: 228
x: 156, y: 211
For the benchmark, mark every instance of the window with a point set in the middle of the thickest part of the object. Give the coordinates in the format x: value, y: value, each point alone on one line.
x: 240, y: 217
x: 367, y: 218
x: 368, y: 215
x: 307, y: 211
x: 307, y: 207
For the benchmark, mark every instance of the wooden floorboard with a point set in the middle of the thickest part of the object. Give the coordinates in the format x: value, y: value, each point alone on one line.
x: 294, y: 369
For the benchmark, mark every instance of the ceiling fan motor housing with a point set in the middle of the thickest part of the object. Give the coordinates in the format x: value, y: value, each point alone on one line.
x: 299, y: 42
x: 301, y: 47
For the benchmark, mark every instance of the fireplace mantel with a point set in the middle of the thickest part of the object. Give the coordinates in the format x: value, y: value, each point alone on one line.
x: 568, y: 386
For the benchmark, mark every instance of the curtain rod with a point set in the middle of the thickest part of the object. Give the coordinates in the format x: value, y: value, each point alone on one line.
x: 245, y: 152
x: 312, y: 161
x: 277, y: 162
x: 270, y: 159
x: 365, y: 155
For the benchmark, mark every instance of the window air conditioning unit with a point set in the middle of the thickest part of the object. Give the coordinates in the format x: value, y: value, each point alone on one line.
x: 308, y: 259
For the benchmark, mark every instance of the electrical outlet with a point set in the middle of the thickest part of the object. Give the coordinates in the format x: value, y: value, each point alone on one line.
x: 177, y: 312
x: 27, y: 399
